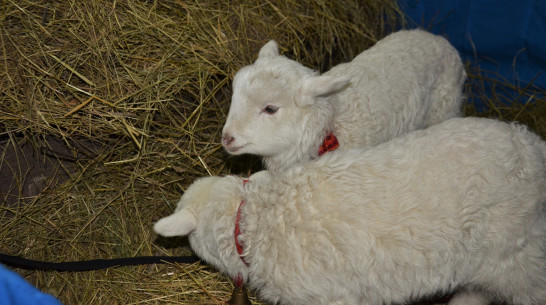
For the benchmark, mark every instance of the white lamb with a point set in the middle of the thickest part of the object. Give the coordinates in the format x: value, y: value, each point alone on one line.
x: 282, y: 110
x: 460, y: 205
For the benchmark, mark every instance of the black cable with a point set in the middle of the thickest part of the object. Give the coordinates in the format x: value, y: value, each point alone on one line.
x: 95, y: 264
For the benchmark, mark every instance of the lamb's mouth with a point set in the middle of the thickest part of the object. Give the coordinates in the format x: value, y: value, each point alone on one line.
x: 234, y: 149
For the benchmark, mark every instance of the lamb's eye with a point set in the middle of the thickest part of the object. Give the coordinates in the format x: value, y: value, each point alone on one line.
x: 270, y: 109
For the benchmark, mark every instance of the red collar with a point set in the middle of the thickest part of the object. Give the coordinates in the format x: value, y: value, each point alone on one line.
x: 329, y: 143
x: 237, y: 232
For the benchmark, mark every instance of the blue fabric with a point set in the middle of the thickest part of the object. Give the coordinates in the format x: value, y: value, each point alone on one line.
x: 14, y: 290
x: 507, y: 38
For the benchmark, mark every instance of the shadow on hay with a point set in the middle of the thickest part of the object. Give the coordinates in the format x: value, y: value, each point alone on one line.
x: 29, y: 167
x: 173, y: 242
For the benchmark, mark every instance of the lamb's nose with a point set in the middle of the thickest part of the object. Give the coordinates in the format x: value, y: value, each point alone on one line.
x: 227, y: 139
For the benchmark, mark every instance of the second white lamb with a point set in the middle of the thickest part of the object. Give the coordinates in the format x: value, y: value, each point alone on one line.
x: 283, y: 111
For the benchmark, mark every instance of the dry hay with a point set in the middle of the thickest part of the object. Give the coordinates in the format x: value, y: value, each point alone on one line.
x: 131, y: 97
x: 504, y: 100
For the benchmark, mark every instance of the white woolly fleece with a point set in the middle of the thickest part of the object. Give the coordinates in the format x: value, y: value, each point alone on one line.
x: 458, y: 205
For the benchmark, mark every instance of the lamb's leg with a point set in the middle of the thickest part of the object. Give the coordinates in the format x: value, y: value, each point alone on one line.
x: 466, y: 297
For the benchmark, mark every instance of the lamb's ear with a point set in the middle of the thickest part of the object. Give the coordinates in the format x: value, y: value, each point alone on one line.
x: 320, y: 86
x: 180, y: 223
x: 269, y: 49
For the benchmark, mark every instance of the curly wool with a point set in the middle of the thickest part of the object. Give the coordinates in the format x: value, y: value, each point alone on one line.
x: 458, y: 205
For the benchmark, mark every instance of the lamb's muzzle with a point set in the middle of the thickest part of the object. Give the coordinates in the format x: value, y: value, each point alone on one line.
x: 227, y: 140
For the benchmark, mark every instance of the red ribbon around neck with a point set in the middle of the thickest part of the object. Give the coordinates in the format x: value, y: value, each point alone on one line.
x: 329, y: 143
x: 239, y: 279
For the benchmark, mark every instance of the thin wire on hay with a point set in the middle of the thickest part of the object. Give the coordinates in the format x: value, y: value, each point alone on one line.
x: 137, y: 92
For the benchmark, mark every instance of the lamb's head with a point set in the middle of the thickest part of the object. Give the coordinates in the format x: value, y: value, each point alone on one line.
x: 205, y: 213
x: 277, y: 105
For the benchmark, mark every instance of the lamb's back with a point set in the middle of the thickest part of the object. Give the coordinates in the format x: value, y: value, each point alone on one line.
x: 393, y: 87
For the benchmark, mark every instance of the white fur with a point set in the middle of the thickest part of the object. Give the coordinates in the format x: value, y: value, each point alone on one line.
x: 460, y: 205
x: 408, y: 80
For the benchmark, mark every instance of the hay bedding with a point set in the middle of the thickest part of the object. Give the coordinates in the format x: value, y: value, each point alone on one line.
x: 108, y: 110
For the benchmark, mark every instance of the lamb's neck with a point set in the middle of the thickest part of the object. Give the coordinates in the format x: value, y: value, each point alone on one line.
x: 218, y: 246
x: 315, y: 127
x: 295, y: 155
x: 286, y: 159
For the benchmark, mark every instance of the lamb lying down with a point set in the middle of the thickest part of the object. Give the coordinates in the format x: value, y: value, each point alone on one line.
x: 283, y: 111
x: 460, y: 205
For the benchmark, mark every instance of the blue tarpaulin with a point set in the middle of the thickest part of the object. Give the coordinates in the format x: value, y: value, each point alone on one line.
x: 14, y: 290
x: 505, y: 38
